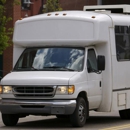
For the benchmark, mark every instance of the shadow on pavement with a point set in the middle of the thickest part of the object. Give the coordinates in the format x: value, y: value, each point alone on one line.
x: 94, y: 122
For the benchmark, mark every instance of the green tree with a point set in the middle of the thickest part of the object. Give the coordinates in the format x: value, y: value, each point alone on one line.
x: 52, y: 5
x: 4, y: 32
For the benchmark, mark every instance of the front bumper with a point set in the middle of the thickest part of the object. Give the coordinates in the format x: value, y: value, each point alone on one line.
x: 41, y: 107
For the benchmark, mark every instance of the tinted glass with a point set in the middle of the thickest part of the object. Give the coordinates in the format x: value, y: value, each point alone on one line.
x: 51, y: 59
x: 122, y: 36
x: 91, y: 60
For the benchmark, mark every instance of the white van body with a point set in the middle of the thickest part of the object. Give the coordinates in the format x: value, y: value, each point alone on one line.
x: 104, y: 91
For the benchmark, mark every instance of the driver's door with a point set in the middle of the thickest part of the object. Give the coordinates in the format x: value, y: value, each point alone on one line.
x: 94, y: 79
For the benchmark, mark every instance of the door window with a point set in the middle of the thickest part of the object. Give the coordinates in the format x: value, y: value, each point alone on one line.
x: 91, y: 61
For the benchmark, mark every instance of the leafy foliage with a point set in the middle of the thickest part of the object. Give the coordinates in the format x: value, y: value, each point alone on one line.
x: 17, y: 2
x: 5, y: 33
x: 52, y: 5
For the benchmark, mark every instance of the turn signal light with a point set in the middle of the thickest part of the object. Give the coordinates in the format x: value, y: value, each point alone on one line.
x: 71, y: 89
x: 0, y: 89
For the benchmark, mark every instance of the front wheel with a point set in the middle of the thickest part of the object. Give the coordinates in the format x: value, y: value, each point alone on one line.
x: 10, y: 119
x: 78, y: 118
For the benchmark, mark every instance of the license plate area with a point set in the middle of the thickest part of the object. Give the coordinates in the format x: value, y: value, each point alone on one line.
x: 58, y: 110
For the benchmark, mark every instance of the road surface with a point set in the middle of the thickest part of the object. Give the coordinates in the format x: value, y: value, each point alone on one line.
x: 97, y: 121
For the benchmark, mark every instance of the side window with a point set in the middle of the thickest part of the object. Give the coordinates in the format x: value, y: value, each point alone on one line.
x: 24, y: 5
x: 91, y: 61
x: 122, y: 36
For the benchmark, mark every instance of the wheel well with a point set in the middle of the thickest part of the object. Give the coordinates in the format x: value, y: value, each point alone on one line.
x: 83, y: 94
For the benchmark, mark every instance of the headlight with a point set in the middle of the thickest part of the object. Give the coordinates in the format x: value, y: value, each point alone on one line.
x: 7, y: 89
x: 65, y: 90
x: 0, y: 89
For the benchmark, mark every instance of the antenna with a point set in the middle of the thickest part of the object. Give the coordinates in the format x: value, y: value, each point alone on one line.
x: 28, y: 2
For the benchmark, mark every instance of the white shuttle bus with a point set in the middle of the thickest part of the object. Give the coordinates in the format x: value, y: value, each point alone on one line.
x: 68, y: 63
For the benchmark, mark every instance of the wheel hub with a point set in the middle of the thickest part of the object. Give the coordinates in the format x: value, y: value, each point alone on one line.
x: 81, y: 112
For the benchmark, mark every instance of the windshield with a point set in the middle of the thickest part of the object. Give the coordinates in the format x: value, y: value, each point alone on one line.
x: 51, y: 59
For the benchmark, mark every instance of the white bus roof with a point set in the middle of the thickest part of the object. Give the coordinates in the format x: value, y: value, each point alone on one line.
x: 79, y: 28
x: 72, y: 28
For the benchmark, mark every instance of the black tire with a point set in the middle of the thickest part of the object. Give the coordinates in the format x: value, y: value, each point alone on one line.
x: 62, y: 116
x: 10, y: 119
x: 125, y: 114
x: 128, y: 113
x: 78, y: 118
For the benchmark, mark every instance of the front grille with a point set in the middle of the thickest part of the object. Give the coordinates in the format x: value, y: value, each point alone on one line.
x: 34, y: 91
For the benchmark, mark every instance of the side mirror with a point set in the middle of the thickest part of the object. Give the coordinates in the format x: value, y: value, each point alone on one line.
x: 101, y: 63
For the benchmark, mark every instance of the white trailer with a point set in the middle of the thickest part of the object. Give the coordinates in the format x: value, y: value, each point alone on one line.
x: 68, y: 63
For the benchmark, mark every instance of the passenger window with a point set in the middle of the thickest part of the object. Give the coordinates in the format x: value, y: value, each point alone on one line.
x: 91, y: 61
x: 122, y: 36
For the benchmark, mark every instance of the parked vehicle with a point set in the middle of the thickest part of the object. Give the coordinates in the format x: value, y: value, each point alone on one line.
x: 68, y: 63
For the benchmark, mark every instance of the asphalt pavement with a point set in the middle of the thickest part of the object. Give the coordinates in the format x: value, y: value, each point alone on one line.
x: 97, y: 121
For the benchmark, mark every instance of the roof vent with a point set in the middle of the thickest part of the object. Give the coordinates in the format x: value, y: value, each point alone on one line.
x: 112, y: 8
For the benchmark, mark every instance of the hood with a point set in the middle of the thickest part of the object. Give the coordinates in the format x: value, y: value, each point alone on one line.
x: 38, y: 78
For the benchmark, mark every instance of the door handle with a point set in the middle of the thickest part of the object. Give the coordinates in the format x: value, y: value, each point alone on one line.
x: 100, y: 84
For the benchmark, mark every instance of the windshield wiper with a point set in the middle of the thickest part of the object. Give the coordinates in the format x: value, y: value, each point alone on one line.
x: 30, y: 68
x: 46, y: 68
x: 58, y: 67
